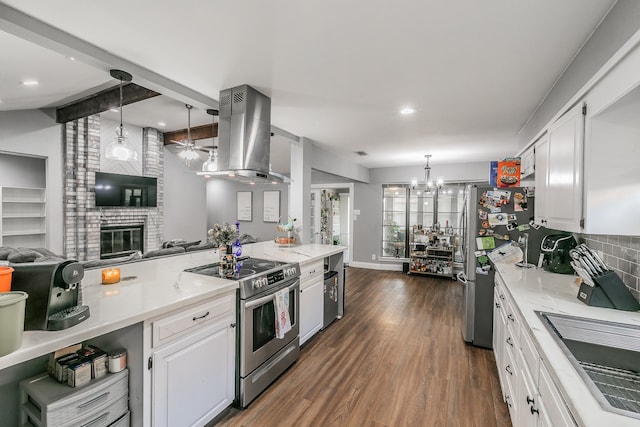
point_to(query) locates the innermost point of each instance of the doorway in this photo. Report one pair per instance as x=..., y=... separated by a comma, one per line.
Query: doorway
x=332, y=215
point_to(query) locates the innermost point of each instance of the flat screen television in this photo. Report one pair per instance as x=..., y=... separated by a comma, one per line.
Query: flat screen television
x=126, y=190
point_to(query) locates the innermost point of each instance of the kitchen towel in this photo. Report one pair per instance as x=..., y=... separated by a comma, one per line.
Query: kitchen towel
x=281, y=304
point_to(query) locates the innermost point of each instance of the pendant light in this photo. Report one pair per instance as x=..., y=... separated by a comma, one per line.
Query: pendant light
x=120, y=148
x=211, y=164
x=189, y=152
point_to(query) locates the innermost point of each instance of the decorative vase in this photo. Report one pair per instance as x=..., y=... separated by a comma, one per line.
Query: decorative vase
x=237, y=246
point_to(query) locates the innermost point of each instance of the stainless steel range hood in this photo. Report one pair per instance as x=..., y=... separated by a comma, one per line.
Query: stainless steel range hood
x=244, y=137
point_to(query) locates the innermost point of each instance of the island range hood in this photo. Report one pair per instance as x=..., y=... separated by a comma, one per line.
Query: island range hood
x=244, y=137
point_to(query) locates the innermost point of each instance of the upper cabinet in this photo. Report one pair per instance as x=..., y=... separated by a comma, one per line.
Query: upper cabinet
x=612, y=151
x=587, y=171
x=564, y=171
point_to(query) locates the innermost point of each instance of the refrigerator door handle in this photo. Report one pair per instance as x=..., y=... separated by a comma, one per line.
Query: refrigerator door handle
x=462, y=278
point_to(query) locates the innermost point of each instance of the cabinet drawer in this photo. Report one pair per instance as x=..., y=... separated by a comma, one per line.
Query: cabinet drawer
x=173, y=326
x=311, y=269
x=510, y=372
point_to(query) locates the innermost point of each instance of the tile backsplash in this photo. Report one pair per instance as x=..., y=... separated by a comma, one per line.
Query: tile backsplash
x=621, y=254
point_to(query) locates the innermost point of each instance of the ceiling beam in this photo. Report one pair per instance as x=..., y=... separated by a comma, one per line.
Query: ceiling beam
x=103, y=101
x=197, y=133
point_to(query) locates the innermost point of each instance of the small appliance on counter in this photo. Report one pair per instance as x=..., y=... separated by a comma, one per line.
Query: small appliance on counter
x=54, y=294
x=555, y=248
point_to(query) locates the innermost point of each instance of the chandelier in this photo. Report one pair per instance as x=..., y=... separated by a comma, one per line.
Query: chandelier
x=428, y=185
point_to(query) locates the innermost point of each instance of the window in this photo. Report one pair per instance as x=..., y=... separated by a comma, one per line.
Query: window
x=394, y=220
x=404, y=207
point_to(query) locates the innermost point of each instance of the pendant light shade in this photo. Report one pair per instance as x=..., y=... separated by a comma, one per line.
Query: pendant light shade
x=211, y=164
x=120, y=148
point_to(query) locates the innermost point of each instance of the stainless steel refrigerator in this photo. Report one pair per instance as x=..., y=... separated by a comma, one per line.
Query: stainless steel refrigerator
x=484, y=216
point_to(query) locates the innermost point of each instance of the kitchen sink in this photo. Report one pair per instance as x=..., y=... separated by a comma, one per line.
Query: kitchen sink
x=605, y=354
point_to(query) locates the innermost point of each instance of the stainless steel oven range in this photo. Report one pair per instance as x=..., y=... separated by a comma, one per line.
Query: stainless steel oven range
x=262, y=357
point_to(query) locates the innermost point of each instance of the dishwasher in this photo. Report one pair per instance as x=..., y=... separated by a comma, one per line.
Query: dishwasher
x=330, y=297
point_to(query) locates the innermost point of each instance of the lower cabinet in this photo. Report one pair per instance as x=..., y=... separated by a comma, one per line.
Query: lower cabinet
x=311, y=308
x=191, y=369
x=527, y=388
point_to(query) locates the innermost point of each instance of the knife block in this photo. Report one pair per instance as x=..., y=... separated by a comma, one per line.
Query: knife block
x=608, y=292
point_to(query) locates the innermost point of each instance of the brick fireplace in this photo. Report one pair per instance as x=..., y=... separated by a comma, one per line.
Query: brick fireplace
x=83, y=221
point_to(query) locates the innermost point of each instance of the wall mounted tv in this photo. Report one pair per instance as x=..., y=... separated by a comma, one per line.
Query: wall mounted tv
x=125, y=190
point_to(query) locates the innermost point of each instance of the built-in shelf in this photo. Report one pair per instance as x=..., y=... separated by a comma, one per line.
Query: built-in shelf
x=23, y=215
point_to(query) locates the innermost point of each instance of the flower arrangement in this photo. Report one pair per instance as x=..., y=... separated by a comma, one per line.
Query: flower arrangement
x=223, y=234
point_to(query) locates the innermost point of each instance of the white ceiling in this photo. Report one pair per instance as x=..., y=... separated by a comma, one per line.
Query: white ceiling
x=337, y=72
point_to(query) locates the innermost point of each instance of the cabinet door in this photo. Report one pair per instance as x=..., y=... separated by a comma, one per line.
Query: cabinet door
x=542, y=171
x=553, y=411
x=193, y=377
x=527, y=396
x=311, y=309
x=564, y=179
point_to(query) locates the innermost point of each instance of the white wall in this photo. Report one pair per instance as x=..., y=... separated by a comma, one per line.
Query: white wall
x=185, y=201
x=326, y=161
x=221, y=206
x=22, y=171
x=35, y=133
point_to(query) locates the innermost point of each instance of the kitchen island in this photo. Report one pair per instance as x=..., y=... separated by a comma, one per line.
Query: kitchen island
x=530, y=290
x=148, y=289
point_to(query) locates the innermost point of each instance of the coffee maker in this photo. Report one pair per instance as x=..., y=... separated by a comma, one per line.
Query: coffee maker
x=54, y=301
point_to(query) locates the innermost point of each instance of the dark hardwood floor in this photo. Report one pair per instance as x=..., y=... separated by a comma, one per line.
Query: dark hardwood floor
x=396, y=358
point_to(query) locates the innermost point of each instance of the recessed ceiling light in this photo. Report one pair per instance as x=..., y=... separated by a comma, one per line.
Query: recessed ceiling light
x=71, y=58
x=162, y=124
x=407, y=110
x=29, y=82
x=115, y=110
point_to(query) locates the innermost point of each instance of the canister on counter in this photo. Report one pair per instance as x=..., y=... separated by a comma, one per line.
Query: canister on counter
x=62, y=364
x=117, y=360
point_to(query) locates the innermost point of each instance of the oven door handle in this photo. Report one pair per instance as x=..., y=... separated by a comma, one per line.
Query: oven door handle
x=260, y=301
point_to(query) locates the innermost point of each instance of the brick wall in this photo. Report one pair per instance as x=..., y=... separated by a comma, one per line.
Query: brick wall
x=82, y=219
x=621, y=254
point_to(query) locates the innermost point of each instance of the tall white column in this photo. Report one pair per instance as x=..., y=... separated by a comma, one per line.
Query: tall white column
x=300, y=188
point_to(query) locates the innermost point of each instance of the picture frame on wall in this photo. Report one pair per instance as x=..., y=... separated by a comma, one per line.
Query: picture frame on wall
x=244, y=205
x=271, y=206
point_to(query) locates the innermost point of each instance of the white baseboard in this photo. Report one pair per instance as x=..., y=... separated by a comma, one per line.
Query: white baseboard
x=387, y=266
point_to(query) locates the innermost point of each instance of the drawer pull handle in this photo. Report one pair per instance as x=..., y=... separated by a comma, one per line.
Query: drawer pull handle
x=508, y=369
x=498, y=305
x=94, y=400
x=511, y=344
x=530, y=401
x=534, y=410
x=510, y=317
x=502, y=297
x=200, y=317
x=97, y=420
x=233, y=325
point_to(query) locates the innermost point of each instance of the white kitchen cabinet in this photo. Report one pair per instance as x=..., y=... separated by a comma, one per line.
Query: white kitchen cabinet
x=541, y=149
x=23, y=217
x=612, y=151
x=564, y=171
x=192, y=364
x=527, y=388
x=311, y=299
x=527, y=163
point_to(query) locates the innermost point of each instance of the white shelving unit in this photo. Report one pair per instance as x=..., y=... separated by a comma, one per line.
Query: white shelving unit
x=23, y=215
